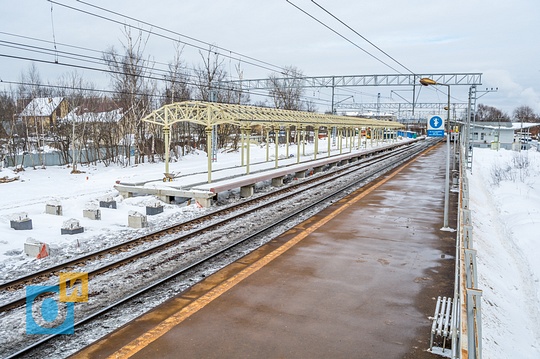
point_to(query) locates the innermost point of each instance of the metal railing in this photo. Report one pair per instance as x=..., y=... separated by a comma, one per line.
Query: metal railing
x=467, y=336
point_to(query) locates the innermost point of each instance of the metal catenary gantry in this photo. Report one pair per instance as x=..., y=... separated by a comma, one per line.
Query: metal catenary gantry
x=452, y=79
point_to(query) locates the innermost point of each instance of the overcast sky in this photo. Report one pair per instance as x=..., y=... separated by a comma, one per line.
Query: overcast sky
x=498, y=38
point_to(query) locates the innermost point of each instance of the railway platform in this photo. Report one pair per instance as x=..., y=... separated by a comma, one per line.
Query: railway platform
x=190, y=186
x=358, y=280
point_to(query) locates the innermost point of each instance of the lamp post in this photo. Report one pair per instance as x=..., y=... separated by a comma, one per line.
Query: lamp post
x=428, y=82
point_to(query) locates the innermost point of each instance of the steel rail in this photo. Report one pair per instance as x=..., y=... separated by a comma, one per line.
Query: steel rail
x=155, y=235
x=315, y=182
x=406, y=154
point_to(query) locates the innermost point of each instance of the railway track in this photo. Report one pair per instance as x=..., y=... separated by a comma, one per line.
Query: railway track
x=127, y=246
x=214, y=226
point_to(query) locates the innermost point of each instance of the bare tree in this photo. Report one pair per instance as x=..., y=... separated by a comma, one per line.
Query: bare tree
x=177, y=89
x=130, y=74
x=287, y=89
x=7, y=130
x=177, y=79
x=490, y=114
x=210, y=76
x=526, y=114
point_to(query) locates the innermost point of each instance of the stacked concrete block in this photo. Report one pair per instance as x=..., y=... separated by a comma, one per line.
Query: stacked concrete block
x=36, y=249
x=92, y=212
x=20, y=221
x=154, y=208
x=71, y=226
x=108, y=202
x=53, y=208
x=137, y=220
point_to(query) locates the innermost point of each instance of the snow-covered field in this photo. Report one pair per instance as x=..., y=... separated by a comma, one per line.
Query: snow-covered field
x=505, y=204
x=505, y=200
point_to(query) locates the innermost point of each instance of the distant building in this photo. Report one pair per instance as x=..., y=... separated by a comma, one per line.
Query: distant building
x=507, y=133
x=45, y=111
x=484, y=133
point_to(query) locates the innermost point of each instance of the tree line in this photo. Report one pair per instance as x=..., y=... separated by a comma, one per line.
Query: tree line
x=486, y=113
x=136, y=90
x=103, y=135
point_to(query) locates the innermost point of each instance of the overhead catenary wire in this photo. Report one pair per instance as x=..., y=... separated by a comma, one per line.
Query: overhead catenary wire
x=223, y=52
x=81, y=57
x=344, y=37
x=154, y=70
x=363, y=37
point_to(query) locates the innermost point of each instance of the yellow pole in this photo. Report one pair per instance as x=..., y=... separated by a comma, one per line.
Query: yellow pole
x=209, y=150
x=167, y=135
x=316, y=139
x=298, y=130
x=276, y=139
x=248, y=133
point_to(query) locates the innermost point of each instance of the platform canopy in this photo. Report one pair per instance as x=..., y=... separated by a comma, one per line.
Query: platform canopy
x=209, y=114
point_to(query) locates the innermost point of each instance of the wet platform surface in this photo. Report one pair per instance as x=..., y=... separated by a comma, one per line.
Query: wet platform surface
x=359, y=280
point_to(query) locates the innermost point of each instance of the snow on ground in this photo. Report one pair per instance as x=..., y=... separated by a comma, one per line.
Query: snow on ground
x=505, y=200
x=505, y=204
x=38, y=187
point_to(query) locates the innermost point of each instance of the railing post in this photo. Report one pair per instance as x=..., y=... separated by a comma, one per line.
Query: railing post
x=474, y=323
x=470, y=267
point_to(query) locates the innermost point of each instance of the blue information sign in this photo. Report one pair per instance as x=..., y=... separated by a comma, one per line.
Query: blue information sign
x=435, y=127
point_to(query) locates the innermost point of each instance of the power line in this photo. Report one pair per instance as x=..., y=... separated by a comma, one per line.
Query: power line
x=188, y=79
x=254, y=61
x=343, y=37
x=78, y=56
x=357, y=33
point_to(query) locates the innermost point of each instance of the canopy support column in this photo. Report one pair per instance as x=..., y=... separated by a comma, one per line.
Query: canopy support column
x=298, y=130
x=276, y=140
x=248, y=133
x=316, y=142
x=328, y=139
x=267, y=144
x=304, y=142
x=351, y=139
x=209, y=136
x=242, y=146
x=167, y=138
x=340, y=140
x=287, y=138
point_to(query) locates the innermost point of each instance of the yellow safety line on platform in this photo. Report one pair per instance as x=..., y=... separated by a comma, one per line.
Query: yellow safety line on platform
x=161, y=329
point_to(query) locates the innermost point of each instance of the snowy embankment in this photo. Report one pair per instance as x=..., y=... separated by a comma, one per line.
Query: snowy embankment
x=505, y=203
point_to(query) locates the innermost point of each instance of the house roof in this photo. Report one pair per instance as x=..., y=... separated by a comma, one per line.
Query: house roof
x=107, y=116
x=505, y=125
x=41, y=107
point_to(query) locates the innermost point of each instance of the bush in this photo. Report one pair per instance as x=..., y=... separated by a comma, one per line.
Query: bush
x=517, y=168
